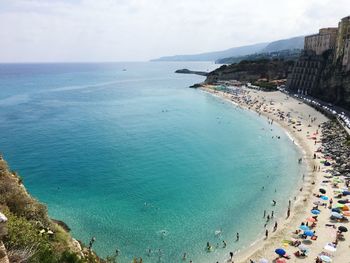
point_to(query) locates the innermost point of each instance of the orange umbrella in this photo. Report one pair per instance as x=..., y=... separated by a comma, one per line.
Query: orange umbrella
x=345, y=208
x=311, y=219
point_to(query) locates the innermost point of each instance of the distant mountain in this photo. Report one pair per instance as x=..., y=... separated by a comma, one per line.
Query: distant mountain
x=287, y=54
x=212, y=56
x=284, y=44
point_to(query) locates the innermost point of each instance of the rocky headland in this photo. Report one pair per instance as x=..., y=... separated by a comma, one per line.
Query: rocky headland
x=187, y=71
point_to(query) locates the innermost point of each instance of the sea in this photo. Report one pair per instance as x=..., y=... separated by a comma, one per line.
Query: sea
x=129, y=154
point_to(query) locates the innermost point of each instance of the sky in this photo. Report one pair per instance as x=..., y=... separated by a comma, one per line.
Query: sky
x=139, y=30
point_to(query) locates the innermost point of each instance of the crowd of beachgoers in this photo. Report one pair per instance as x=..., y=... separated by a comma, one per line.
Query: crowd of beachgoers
x=316, y=222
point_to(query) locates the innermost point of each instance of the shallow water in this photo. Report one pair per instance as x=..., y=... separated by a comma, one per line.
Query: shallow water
x=139, y=160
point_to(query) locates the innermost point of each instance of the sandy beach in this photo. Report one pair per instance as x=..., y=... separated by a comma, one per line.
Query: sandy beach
x=302, y=123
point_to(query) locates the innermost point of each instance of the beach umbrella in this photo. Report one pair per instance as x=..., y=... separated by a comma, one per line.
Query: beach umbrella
x=336, y=210
x=346, y=213
x=322, y=191
x=323, y=197
x=337, y=180
x=342, y=229
x=343, y=201
x=304, y=228
x=280, y=260
x=339, y=205
x=345, y=208
x=303, y=248
x=308, y=233
x=330, y=247
x=336, y=215
x=280, y=251
x=263, y=260
x=325, y=258
x=315, y=212
x=346, y=192
x=311, y=219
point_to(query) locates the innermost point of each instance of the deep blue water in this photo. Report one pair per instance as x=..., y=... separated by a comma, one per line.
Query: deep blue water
x=139, y=160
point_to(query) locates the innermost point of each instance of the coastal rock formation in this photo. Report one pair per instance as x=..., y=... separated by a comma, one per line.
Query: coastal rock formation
x=3, y=254
x=187, y=71
x=337, y=146
x=251, y=71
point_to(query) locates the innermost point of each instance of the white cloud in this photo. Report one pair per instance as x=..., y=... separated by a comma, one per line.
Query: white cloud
x=115, y=30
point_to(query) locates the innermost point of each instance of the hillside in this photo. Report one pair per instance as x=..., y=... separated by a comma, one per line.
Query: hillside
x=212, y=56
x=290, y=43
x=284, y=44
x=251, y=71
x=289, y=54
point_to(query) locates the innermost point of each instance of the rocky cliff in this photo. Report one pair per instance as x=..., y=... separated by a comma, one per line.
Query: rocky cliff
x=334, y=84
x=251, y=71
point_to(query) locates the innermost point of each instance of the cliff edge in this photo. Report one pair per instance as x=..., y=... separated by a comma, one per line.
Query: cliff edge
x=27, y=234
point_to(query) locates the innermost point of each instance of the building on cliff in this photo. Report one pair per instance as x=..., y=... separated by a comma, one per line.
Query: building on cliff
x=323, y=68
x=324, y=40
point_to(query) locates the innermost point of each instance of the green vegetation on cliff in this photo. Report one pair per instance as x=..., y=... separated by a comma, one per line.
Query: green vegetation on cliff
x=252, y=71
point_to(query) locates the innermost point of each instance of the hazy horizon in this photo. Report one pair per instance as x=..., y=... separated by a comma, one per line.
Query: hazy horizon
x=43, y=31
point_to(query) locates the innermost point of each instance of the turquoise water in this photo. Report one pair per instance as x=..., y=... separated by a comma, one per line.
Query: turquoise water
x=139, y=160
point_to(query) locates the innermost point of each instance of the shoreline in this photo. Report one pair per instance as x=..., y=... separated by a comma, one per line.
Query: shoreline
x=261, y=248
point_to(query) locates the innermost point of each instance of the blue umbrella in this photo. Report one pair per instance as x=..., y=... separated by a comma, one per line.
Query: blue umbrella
x=346, y=193
x=315, y=212
x=336, y=210
x=308, y=233
x=323, y=197
x=304, y=228
x=280, y=252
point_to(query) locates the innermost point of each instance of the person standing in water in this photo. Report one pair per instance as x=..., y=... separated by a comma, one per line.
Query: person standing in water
x=231, y=256
x=266, y=234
